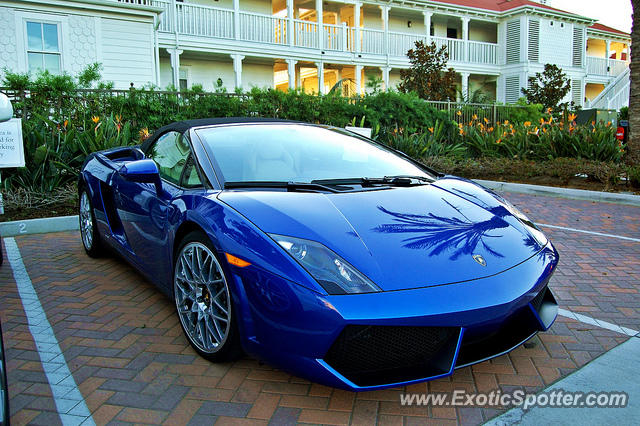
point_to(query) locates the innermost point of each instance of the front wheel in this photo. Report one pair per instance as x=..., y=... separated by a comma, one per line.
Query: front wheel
x=88, y=229
x=203, y=300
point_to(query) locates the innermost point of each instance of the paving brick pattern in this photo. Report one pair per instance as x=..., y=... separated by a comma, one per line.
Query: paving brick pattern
x=125, y=348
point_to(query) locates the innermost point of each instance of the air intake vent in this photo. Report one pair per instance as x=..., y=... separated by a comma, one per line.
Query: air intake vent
x=578, y=46
x=377, y=355
x=513, y=42
x=576, y=92
x=534, y=41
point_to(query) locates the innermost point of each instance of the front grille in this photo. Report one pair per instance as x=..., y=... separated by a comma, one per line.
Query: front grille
x=376, y=355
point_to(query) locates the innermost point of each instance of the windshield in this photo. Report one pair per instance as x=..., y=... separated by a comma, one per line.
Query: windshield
x=298, y=153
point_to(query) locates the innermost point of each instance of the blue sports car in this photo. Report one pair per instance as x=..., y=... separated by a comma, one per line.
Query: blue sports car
x=320, y=251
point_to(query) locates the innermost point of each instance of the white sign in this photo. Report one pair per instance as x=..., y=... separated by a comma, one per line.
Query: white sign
x=11, y=144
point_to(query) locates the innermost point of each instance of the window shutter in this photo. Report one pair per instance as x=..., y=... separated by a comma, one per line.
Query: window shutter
x=578, y=49
x=513, y=42
x=576, y=92
x=512, y=89
x=534, y=41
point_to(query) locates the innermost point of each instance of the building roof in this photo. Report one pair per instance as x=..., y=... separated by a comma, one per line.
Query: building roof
x=501, y=5
x=604, y=28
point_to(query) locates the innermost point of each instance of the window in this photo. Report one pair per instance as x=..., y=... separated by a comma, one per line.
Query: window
x=43, y=47
x=191, y=178
x=170, y=152
x=452, y=33
x=183, y=80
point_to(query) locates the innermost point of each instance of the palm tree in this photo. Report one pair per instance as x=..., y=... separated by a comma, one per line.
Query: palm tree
x=633, y=156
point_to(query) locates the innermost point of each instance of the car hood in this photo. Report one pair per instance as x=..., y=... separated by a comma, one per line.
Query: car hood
x=403, y=237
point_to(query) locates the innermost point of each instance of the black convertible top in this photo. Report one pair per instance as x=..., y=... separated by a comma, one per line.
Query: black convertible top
x=183, y=126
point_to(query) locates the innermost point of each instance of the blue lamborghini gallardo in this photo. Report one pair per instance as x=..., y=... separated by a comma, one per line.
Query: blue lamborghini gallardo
x=320, y=251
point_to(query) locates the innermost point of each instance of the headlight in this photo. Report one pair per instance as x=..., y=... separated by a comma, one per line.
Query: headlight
x=537, y=234
x=333, y=273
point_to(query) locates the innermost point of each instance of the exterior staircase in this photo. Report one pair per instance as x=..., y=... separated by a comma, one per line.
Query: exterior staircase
x=615, y=95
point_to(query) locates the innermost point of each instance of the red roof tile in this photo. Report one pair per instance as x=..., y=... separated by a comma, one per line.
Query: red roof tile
x=500, y=5
x=604, y=28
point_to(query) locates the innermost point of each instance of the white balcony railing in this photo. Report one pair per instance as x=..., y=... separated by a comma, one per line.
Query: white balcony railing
x=605, y=67
x=213, y=22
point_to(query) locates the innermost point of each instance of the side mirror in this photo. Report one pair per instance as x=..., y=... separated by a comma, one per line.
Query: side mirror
x=6, y=109
x=144, y=171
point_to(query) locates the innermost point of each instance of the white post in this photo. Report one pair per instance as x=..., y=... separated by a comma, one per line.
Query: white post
x=237, y=69
x=236, y=19
x=319, y=18
x=345, y=46
x=465, y=37
x=356, y=24
x=384, y=10
x=465, y=86
x=290, y=23
x=385, y=77
x=607, y=53
x=175, y=66
x=291, y=70
x=427, y=25
x=320, y=67
x=358, y=76
x=299, y=77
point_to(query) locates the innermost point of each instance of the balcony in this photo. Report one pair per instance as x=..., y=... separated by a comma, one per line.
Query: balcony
x=605, y=67
x=195, y=20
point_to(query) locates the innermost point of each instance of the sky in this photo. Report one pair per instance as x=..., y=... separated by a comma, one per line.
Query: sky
x=613, y=13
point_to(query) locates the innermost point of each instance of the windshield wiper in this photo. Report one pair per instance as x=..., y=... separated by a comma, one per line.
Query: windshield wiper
x=399, y=180
x=289, y=186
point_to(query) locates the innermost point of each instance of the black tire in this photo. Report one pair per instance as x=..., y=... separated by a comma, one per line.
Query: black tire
x=88, y=227
x=200, y=303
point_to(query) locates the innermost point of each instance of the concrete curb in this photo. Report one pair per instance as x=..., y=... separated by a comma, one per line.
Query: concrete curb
x=552, y=191
x=70, y=223
x=39, y=226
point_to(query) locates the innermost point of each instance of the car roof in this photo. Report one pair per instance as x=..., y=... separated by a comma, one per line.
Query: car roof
x=183, y=126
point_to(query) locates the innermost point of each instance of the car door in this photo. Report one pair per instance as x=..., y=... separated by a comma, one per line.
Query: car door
x=145, y=209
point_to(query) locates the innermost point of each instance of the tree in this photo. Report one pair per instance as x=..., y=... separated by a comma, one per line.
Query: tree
x=428, y=75
x=548, y=88
x=633, y=143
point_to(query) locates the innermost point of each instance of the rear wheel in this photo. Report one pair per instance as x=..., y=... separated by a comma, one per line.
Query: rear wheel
x=203, y=300
x=88, y=229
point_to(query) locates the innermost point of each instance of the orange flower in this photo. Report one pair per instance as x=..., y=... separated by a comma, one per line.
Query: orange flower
x=542, y=121
x=64, y=124
x=474, y=116
x=506, y=122
x=490, y=129
x=499, y=141
x=527, y=123
x=572, y=117
x=535, y=131
x=593, y=123
x=431, y=129
x=548, y=110
x=459, y=113
x=95, y=119
x=486, y=120
x=461, y=132
x=460, y=125
x=144, y=133
x=609, y=124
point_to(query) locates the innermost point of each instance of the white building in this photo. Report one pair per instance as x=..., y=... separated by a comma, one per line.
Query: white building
x=494, y=45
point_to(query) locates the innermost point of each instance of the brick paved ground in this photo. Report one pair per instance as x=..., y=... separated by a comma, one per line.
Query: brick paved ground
x=126, y=351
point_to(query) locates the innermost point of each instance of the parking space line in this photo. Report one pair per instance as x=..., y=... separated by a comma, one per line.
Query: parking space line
x=600, y=234
x=598, y=323
x=70, y=404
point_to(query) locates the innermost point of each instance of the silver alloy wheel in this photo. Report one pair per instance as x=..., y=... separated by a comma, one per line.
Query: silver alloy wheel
x=202, y=297
x=86, y=222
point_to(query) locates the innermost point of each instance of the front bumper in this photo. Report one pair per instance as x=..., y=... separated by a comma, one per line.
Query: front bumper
x=379, y=340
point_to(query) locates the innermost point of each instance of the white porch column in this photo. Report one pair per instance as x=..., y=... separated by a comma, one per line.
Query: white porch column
x=291, y=70
x=384, y=12
x=356, y=24
x=299, y=77
x=607, y=53
x=320, y=67
x=385, y=77
x=236, y=19
x=319, y=18
x=465, y=36
x=465, y=86
x=290, y=23
x=358, y=75
x=427, y=24
x=175, y=66
x=237, y=69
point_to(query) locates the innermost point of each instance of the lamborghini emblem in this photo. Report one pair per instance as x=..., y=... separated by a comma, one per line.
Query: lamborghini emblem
x=479, y=259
